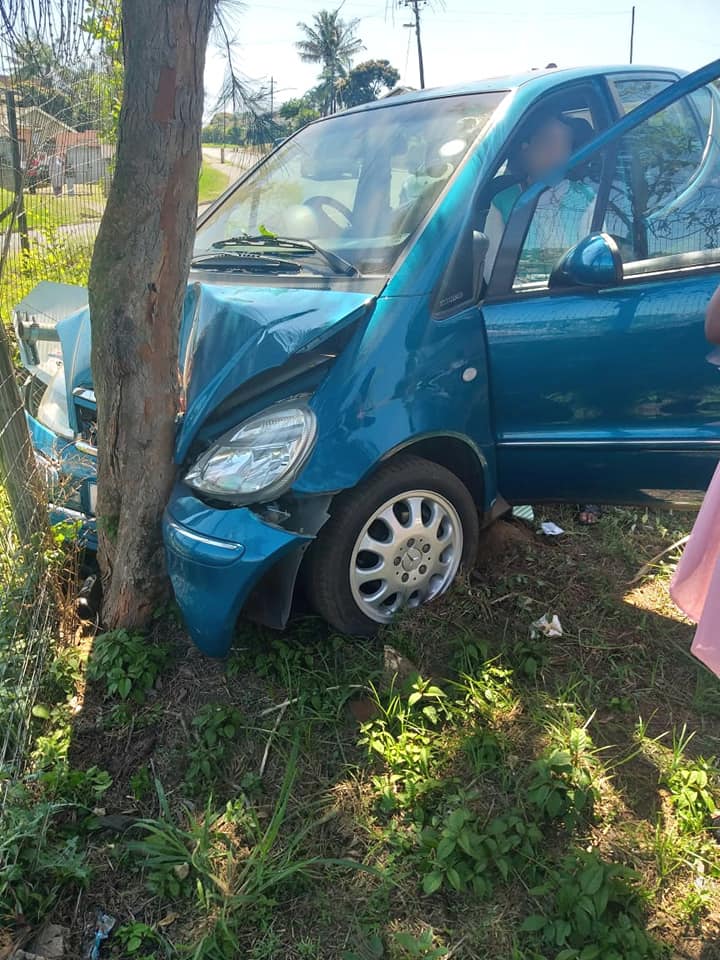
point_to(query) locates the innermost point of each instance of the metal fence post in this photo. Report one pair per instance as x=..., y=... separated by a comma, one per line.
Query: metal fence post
x=18, y=469
x=20, y=215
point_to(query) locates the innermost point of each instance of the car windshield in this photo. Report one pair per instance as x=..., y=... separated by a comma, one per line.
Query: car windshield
x=356, y=185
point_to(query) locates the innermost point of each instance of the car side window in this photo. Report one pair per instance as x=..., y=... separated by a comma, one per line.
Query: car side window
x=563, y=216
x=664, y=200
x=564, y=212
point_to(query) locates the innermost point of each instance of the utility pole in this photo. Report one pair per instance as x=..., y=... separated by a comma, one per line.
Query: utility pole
x=415, y=6
x=632, y=33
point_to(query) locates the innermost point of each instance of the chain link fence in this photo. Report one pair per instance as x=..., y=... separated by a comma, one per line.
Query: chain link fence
x=58, y=108
x=60, y=91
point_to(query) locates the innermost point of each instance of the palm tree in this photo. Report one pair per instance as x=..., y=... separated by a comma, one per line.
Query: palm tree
x=330, y=41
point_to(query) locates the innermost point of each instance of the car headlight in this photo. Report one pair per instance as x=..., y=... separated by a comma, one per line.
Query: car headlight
x=255, y=461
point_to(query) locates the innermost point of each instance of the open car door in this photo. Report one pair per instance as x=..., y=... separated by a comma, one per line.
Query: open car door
x=604, y=388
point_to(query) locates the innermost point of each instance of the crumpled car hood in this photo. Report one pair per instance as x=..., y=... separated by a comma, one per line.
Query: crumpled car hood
x=228, y=335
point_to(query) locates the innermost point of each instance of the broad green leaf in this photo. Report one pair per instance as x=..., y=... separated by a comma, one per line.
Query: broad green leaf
x=445, y=848
x=533, y=924
x=457, y=820
x=432, y=882
x=591, y=879
x=454, y=879
x=465, y=842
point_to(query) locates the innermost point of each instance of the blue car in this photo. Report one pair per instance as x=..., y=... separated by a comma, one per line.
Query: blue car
x=410, y=315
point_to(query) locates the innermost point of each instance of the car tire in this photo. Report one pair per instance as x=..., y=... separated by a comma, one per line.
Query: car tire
x=413, y=522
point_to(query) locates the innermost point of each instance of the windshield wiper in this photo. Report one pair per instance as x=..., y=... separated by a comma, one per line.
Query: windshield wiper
x=251, y=262
x=335, y=262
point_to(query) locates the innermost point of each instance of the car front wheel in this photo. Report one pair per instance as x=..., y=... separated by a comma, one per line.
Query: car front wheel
x=395, y=542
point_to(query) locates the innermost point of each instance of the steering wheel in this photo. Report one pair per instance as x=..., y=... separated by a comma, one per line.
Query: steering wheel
x=317, y=204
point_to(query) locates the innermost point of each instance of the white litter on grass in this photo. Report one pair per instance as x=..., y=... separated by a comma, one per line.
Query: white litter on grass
x=546, y=627
x=551, y=529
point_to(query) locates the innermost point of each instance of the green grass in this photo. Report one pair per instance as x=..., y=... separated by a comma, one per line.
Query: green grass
x=511, y=798
x=212, y=183
x=57, y=256
x=47, y=212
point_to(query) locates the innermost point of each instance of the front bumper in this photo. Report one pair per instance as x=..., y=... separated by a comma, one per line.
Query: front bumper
x=69, y=473
x=215, y=558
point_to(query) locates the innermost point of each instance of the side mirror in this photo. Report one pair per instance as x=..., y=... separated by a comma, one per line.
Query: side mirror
x=594, y=262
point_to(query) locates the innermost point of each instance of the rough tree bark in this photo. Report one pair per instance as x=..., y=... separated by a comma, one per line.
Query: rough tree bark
x=137, y=284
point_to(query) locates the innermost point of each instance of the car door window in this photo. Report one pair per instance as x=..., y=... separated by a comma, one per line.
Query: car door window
x=660, y=199
x=663, y=207
x=564, y=213
x=633, y=91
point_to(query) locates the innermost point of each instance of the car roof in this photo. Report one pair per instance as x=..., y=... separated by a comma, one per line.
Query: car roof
x=541, y=81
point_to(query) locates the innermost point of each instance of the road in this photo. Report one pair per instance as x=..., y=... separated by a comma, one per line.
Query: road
x=241, y=158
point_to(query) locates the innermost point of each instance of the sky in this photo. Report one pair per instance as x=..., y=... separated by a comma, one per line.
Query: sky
x=469, y=39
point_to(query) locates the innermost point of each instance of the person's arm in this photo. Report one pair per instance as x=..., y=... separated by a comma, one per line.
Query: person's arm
x=712, y=318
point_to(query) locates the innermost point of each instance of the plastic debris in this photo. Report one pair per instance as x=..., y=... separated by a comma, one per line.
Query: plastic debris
x=396, y=666
x=103, y=926
x=551, y=529
x=524, y=513
x=546, y=627
x=49, y=944
x=88, y=599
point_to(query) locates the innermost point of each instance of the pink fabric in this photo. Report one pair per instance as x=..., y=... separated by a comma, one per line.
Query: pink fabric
x=696, y=585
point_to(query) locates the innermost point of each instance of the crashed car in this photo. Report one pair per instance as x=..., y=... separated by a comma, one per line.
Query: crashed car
x=367, y=376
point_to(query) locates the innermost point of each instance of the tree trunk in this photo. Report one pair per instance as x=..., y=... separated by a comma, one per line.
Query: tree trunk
x=137, y=285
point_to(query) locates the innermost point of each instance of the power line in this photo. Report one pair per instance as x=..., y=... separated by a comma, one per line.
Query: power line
x=407, y=55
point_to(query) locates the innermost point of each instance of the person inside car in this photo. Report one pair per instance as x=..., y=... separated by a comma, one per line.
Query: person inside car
x=564, y=212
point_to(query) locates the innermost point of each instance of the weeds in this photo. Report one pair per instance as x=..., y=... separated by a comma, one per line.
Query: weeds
x=471, y=814
x=141, y=942
x=463, y=854
x=690, y=786
x=405, y=737
x=593, y=911
x=41, y=852
x=127, y=663
x=214, y=728
x=560, y=789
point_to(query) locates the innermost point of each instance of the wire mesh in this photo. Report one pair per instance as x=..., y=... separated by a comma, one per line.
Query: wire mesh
x=59, y=92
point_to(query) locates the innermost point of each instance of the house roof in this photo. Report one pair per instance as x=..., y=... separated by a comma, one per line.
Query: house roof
x=35, y=125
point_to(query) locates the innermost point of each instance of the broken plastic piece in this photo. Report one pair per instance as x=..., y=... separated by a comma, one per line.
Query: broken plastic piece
x=546, y=627
x=103, y=926
x=551, y=529
x=523, y=513
x=87, y=604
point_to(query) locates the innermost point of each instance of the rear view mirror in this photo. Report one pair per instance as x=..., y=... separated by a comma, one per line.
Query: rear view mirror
x=594, y=262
